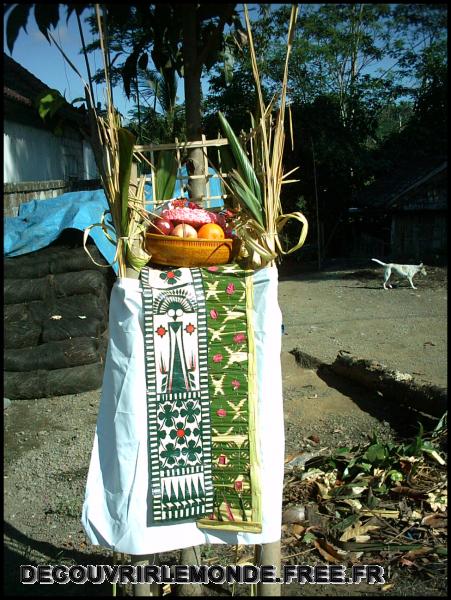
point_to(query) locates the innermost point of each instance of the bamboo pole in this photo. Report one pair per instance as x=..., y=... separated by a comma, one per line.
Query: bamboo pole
x=190, y=556
x=268, y=554
x=182, y=145
x=145, y=589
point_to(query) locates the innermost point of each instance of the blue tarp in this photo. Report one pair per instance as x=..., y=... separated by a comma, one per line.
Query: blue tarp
x=40, y=222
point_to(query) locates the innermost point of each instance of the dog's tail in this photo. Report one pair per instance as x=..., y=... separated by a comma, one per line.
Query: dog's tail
x=380, y=262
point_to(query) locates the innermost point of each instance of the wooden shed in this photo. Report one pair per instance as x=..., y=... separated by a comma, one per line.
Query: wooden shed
x=403, y=216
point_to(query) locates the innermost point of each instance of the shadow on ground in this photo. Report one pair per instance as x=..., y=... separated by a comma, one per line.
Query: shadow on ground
x=20, y=549
x=402, y=418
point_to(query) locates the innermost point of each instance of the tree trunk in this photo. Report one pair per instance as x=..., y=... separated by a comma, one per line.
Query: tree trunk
x=193, y=94
x=190, y=556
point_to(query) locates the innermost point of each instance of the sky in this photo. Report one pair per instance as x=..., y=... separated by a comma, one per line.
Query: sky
x=45, y=61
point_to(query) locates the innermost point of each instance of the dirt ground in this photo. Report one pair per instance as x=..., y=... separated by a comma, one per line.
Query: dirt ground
x=347, y=309
x=48, y=442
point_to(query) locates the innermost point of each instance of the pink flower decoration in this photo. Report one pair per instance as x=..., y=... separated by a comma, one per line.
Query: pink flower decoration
x=235, y=384
x=230, y=288
x=217, y=358
x=212, y=269
x=221, y=412
x=239, y=338
x=213, y=313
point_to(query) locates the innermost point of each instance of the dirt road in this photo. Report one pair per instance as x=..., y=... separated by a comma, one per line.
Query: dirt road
x=347, y=309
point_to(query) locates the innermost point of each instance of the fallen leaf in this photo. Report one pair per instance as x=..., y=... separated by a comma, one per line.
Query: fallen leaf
x=387, y=586
x=438, y=501
x=352, y=502
x=406, y=563
x=297, y=530
x=418, y=552
x=407, y=491
x=355, y=530
x=56, y=317
x=357, y=490
x=361, y=539
x=330, y=553
x=436, y=521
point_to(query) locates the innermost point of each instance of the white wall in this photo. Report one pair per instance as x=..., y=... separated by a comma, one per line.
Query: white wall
x=32, y=154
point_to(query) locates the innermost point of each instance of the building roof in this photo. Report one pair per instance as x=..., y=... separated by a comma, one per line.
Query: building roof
x=385, y=193
x=20, y=91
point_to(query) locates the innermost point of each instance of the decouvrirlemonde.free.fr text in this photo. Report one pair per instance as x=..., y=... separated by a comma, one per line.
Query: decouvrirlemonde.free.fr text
x=160, y=574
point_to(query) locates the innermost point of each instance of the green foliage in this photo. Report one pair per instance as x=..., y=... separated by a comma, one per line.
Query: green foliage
x=166, y=174
x=126, y=142
x=379, y=462
x=243, y=179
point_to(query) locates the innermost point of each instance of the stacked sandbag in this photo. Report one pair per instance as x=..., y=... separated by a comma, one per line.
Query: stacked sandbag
x=55, y=322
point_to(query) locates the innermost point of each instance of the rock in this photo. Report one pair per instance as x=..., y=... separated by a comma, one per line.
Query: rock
x=6, y=403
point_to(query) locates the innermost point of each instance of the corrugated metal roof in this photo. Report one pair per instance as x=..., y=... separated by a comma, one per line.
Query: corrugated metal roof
x=386, y=191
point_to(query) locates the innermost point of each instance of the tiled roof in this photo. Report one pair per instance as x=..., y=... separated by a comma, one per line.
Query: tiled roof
x=22, y=87
x=19, y=83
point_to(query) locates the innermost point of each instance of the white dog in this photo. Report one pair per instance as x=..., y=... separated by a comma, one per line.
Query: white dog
x=407, y=271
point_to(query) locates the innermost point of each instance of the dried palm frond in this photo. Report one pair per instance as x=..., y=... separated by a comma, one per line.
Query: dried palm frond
x=256, y=182
x=113, y=147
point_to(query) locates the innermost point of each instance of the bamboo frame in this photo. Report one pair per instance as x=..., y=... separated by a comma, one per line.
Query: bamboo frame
x=178, y=147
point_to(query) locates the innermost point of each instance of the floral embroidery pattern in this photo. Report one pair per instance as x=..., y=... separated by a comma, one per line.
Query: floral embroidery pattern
x=171, y=277
x=236, y=384
x=161, y=331
x=190, y=328
x=190, y=412
x=228, y=373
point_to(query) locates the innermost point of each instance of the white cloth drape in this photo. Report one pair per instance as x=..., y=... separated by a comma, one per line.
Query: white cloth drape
x=115, y=507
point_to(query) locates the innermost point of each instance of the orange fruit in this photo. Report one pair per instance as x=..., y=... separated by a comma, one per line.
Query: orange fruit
x=211, y=231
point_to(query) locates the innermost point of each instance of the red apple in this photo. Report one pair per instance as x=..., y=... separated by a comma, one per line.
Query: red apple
x=184, y=230
x=161, y=225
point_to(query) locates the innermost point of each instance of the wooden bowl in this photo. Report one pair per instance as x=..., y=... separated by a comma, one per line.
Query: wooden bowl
x=173, y=251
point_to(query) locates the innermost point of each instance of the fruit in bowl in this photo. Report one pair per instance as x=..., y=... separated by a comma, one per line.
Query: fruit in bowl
x=183, y=230
x=161, y=226
x=211, y=231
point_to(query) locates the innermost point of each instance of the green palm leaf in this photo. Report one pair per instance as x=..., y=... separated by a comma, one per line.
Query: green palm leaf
x=245, y=171
x=242, y=190
x=166, y=174
x=126, y=142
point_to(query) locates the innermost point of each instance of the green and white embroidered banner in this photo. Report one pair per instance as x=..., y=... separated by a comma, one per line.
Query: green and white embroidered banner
x=178, y=404
x=201, y=397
